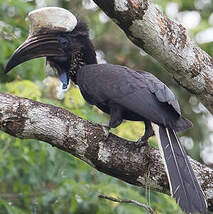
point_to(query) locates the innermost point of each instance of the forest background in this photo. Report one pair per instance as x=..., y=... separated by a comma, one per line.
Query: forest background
x=37, y=178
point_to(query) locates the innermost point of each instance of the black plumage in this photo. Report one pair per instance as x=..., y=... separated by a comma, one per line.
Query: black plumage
x=138, y=96
x=128, y=95
x=125, y=95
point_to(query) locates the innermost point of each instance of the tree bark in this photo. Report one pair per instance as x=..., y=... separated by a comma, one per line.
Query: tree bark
x=167, y=41
x=115, y=156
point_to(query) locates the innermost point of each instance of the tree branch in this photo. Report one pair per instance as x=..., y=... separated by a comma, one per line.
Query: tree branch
x=167, y=41
x=116, y=157
x=124, y=201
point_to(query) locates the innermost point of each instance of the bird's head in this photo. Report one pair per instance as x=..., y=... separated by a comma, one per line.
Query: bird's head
x=56, y=34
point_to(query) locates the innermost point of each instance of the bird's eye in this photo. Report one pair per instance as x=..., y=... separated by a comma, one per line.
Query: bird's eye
x=64, y=42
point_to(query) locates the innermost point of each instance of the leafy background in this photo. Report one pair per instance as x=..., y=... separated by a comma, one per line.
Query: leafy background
x=37, y=178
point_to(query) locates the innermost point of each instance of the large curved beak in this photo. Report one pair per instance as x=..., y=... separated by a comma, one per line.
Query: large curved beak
x=35, y=46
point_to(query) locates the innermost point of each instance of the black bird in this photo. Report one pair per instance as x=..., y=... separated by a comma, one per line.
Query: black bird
x=124, y=94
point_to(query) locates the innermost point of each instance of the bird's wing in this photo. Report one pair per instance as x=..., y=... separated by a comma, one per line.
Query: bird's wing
x=140, y=93
x=162, y=92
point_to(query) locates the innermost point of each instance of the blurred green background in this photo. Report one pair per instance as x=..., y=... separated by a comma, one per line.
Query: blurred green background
x=36, y=178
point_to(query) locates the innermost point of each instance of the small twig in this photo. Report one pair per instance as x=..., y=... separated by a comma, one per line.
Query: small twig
x=148, y=208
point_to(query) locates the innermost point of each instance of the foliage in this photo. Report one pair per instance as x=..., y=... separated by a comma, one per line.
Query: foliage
x=37, y=178
x=24, y=88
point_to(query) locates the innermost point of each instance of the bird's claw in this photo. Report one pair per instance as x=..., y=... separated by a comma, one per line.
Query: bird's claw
x=106, y=132
x=141, y=142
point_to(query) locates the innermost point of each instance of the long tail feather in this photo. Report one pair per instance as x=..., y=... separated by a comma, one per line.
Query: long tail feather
x=184, y=186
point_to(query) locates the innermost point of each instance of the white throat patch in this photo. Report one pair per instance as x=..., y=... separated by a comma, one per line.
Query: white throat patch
x=51, y=19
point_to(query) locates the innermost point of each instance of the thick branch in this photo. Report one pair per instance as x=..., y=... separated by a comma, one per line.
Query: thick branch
x=117, y=157
x=166, y=41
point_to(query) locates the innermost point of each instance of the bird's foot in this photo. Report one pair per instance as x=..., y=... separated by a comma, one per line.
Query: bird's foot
x=106, y=131
x=141, y=142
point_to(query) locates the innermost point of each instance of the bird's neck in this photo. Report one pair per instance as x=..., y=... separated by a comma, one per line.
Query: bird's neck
x=81, y=58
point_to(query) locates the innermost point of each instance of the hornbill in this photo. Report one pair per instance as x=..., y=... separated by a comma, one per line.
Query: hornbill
x=119, y=91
